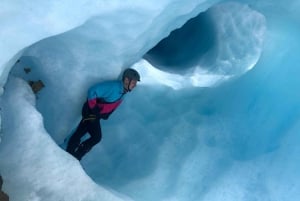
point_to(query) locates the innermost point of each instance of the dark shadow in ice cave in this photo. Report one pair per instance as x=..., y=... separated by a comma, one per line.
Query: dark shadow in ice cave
x=184, y=47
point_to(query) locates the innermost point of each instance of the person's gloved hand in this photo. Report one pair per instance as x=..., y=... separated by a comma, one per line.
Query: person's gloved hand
x=92, y=114
x=95, y=111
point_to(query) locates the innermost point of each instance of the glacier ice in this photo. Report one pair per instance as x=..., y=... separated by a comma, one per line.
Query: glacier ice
x=221, y=126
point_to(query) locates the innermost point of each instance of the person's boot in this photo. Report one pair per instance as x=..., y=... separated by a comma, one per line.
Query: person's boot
x=71, y=148
x=81, y=151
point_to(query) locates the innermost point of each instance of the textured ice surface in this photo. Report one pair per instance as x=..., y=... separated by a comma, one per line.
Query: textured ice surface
x=222, y=125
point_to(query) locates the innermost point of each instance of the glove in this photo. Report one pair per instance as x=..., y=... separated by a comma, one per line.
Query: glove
x=91, y=114
x=95, y=111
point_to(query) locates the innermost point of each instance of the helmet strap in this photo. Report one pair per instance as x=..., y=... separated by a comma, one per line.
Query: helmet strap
x=128, y=89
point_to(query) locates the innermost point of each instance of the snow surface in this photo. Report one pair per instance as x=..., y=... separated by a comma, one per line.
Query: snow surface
x=215, y=116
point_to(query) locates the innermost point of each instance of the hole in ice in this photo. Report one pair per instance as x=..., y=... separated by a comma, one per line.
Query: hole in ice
x=227, y=39
x=182, y=49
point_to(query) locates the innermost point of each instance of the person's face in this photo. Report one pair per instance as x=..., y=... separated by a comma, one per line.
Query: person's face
x=129, y=85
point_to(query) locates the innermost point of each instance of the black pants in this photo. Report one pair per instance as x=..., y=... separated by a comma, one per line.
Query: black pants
x=93, y=127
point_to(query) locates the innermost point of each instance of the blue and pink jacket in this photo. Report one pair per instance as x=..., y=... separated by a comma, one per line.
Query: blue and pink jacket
x=106, y=95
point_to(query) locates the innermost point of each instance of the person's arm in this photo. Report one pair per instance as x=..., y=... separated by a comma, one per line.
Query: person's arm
x=104, y=98
x=97, y=91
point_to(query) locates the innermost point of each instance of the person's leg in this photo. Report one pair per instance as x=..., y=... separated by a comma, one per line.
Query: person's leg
x=74, y=140
x=81, y=130
x=94, y=129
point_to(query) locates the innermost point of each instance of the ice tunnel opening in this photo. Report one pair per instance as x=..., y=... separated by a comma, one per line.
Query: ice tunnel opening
x=217, y=42
x=183, y=48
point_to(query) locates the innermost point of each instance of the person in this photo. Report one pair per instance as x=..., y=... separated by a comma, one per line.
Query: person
x=103, y=98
